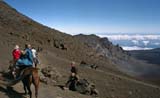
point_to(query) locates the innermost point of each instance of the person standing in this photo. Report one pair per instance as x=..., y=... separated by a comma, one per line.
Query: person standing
x=73, y=68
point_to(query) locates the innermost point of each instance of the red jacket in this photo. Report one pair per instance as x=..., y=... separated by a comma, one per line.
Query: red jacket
x=16, y=54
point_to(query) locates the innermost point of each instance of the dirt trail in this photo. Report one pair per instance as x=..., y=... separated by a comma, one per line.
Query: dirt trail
x=44, y=92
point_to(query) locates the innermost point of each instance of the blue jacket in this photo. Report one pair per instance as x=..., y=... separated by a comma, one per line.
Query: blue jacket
x=27, y=59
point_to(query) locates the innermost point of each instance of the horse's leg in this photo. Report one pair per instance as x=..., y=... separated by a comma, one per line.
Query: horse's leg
x=36, y=81
x=36, y=88
x=28, y=85
x=30, y=82
x=24, y=86
x=29, y=90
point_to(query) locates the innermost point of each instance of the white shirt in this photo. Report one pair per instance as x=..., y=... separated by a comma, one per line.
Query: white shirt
x=34, y=52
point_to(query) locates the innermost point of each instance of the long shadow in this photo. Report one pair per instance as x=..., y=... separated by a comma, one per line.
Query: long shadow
x=11, y=93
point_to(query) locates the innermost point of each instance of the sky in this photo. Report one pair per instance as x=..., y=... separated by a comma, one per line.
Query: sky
x=93, y=16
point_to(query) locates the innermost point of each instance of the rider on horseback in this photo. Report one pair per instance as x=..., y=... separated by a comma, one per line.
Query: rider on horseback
x=16, y=53
x=25, y=72
x=35, y=58
x=26, y=59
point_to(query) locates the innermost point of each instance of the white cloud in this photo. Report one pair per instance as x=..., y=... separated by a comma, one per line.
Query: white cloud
x=156, y=43
x=136, y=42
x=145, y=42
x=135, y=48
x=131, y=37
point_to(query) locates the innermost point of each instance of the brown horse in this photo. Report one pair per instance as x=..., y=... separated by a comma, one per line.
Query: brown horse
x=28, y=76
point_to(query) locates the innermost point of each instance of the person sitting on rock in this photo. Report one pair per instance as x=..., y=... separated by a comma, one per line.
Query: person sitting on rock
x=71, y=83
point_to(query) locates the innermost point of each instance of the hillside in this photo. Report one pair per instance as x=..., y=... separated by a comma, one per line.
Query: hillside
x=59, y=49
x=122, y=60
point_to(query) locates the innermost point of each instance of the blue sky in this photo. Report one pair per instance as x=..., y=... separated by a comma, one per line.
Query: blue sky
x=93, y=16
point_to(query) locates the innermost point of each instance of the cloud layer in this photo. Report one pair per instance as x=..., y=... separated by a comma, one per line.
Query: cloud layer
x=135, y=41
x=131, y=37
x=135, y=48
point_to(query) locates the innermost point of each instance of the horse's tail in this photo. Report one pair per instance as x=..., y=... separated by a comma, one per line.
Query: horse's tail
x=14, y=82
x=23, y=74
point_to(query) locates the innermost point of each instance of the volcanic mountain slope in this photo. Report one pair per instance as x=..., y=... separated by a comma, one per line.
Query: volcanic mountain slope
x=58, y=50
x=103, y=47
x=122, y=60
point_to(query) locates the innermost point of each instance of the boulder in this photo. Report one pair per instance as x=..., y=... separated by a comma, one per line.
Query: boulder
x=49, y=75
